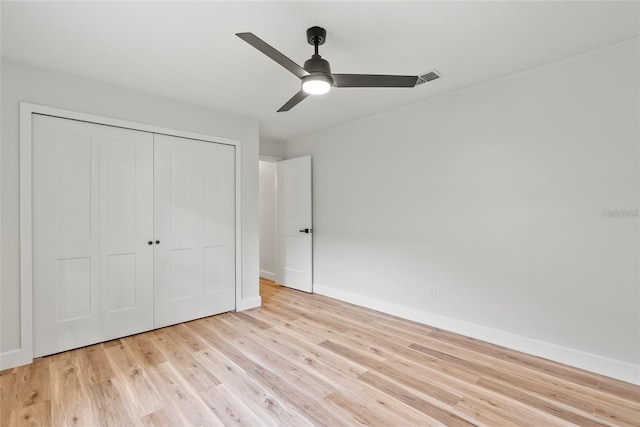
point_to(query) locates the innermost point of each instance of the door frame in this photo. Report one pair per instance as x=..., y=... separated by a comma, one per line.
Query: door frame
x=27, y=110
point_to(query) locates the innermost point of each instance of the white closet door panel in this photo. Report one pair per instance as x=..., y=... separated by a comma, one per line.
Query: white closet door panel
x=194, y=220
x=219, y=224
x=65, y=234
x=126, y=215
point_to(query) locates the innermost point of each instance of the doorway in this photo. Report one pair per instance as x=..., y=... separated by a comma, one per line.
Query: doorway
x=286, y=240
x=267, y=206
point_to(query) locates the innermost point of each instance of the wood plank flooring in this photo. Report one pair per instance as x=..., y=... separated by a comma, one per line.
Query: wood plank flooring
x=303, y=360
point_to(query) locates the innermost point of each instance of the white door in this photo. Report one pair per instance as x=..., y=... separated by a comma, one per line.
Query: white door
x=195, y=228
x=126, y=228
x=294, y=226
x=65, y=234
x=91, y=213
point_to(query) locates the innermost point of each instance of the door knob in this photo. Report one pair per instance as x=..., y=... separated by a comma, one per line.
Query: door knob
x=150, y=242
x=306, y=230
x=157, y=242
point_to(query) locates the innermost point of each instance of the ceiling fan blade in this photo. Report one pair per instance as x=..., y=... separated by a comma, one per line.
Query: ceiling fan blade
x=295, y=100
x=272, y=53
x=373, y=80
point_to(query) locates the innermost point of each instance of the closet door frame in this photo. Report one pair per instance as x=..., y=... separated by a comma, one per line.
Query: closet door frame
x=27, y=111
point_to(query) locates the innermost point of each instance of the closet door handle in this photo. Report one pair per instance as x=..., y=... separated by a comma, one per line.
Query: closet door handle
x=157, y=242
x=150, y=242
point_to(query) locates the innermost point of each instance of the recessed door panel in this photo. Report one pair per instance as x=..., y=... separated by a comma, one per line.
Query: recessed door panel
x=184, y=171
x=183, y=279
x=120, y=292
x=195, y=224
x=74, y=290
x=213, y=203
x=74, y=184
x=120, y=185
x=213, y=271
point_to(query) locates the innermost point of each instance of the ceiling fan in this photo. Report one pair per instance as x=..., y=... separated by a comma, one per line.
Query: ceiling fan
x=316, y=74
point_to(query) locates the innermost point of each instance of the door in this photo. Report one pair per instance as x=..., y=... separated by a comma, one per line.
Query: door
x=91, y=215
x=194, y=229
x=294, y=225
x=126, y=228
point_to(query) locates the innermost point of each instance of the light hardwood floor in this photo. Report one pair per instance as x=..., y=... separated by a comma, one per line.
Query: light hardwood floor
x=304, y=360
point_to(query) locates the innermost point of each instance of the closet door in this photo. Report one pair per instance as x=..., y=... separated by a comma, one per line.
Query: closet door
x=92, y=219
x=194, y=222
x=65, y=234
x=126, y=228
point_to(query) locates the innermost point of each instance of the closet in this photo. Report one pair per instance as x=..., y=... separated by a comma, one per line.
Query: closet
x=131, y=231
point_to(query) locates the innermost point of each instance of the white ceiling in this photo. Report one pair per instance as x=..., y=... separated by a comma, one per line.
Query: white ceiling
x=188, y=51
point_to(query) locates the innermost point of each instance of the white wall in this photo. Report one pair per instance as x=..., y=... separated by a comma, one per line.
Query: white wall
x=38, y=86
x=494, y=195
x=268, y=220
x=271, y=147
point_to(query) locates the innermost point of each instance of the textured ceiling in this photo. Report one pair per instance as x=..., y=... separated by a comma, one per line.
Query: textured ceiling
x=188, y=51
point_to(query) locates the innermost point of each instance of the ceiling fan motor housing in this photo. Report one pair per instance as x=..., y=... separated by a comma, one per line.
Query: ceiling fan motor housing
x=317, y=65
x=318, y=69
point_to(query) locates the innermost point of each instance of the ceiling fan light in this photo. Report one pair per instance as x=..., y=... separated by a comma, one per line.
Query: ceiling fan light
x=318, y=84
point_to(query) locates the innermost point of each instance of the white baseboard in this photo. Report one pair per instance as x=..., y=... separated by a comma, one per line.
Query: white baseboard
x=13, y=358
x=591, y=362
x=268, y=275
x=10, y=359
x=248, y=303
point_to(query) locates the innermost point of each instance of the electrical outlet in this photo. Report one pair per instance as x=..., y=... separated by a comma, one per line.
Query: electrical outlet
x=433, y=293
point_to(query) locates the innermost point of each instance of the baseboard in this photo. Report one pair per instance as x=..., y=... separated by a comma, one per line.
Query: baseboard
x=10, y=359
x=268, y=275
x=248, y=303
x=588, y=361
x=13, y=358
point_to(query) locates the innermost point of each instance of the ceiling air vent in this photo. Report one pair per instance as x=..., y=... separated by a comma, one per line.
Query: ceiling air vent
x=427, y=77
